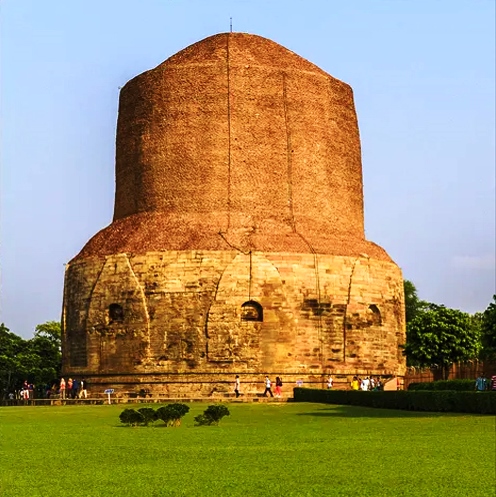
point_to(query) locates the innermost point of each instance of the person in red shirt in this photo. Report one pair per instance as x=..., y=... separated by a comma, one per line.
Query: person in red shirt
x=493, y=382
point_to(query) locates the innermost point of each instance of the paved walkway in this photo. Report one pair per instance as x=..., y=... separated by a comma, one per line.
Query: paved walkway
x=103, y=399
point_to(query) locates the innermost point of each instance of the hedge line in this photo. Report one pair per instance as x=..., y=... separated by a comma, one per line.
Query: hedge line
x=439, y=401
x=459, y=385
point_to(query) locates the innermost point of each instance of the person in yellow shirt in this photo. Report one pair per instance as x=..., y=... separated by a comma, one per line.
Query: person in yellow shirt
x=355, y=385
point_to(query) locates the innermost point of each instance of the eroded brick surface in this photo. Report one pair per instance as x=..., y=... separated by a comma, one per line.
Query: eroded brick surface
x=182, y=314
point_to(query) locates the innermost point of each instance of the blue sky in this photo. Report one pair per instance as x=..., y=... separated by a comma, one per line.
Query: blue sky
x=423, y=74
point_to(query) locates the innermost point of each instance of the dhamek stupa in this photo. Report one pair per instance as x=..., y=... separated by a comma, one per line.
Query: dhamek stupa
x=237, y=244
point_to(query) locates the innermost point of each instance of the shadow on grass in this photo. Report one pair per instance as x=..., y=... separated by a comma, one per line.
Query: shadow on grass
x=373, y=412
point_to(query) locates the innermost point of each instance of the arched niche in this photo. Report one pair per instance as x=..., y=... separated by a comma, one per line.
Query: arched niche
x=115, y=313
x=374, y=315
x=251, y=311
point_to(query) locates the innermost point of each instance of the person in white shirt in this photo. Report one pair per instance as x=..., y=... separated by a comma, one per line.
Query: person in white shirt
x=365, y=384
x=83, y=392
x=237, y=385
x=330, y=382
x=268, y=384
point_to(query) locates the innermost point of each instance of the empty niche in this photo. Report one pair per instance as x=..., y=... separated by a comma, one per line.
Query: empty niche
x=374, y=315
x=115, y=313
x=251, y=311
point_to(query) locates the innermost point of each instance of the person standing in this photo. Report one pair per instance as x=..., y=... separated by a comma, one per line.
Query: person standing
x=237, y=385
x=480, y=383
x=268, y=384
x=365, y=384
x=75, y=389
x=278, y=386
x=62, y=388
x=82, y=389
x=493, y=383
x=330, y=382
x=355, y=385
x=25, y=386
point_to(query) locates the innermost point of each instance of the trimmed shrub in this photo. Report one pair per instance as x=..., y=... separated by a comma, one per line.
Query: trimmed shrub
x=212, y=415
x=131, y=417
x=171, y=414
x=458, y=385
x=434, y=401
x=202, y=420
x=149, y=415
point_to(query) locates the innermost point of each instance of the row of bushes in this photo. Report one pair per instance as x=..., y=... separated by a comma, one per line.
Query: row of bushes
x=458, y=385
x=171, y=415
x=434, y=401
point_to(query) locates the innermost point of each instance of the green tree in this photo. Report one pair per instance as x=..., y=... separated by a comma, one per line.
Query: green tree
x=438, y=337
x=37, y=360
x=413, y=305
x=51, y=330
x=10, y=347
x=41, y=359
x=488, y=332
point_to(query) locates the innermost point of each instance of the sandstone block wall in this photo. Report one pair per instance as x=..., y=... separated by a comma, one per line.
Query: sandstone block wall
x=182, y=326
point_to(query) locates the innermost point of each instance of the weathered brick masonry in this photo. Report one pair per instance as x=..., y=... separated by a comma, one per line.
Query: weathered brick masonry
x=237, y=245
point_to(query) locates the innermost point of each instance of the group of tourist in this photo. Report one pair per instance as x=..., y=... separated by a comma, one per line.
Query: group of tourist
x=27, y=391
x=268, y=387
x=482, y=383
x=366, y=384
x=73, y=389
x=77, y=389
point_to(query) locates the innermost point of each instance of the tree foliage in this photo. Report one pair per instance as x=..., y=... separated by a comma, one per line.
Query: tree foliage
x=37, y=360
x=438, y=337
x=411, y=300
x=488, y=332
x=413, y=305
x=50, y=330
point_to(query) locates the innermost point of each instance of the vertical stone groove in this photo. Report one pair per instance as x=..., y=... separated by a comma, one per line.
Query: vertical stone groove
x=345, y=318
x=228, y=136
x=145, y=305
x=317, y=287
x=288, y=155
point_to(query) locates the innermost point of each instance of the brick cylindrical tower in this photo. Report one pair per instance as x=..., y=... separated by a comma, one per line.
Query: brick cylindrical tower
x=237, y=244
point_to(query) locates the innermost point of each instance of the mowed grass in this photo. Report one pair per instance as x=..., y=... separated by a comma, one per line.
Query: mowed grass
x=276, y=449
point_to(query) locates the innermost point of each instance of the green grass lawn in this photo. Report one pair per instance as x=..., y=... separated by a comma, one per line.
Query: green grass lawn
x=274, y=449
